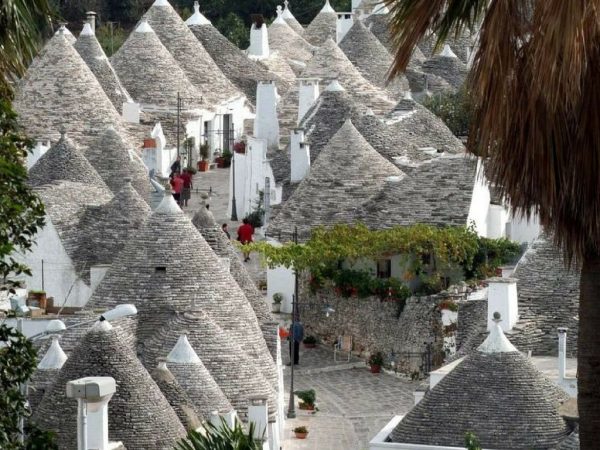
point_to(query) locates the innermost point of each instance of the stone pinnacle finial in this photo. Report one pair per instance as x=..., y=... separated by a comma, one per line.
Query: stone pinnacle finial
x=279, y=11
x=196, y=6
x=63, y=132
x=497, y=317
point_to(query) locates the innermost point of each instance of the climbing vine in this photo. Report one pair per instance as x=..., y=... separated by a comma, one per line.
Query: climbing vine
x=426, y=251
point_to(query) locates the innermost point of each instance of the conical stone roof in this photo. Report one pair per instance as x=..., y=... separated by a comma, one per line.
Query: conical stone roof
x=446, y=65
x=378, y=25
x=495, y=393
x=148, y=272
x=108, y=227
x=438, y=192
x=115, y=161
x=420, y=128
x=290, y=44
x=64, y=161
x=46, y=373
x=70, y=37
x=138, y=409
x=213, y=234
x=150, y=73
x=237, y=375
x=371, y=58
x=322, y=27
x=241, y=70
x=291, y=20
x=92, y=53
x=189, y=53
x=320, y=199
x=176, y=396
x=330, y=63
x=196, y=380
x=60, y=91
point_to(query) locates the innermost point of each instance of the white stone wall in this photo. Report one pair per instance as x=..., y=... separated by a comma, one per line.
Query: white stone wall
x=59, y=275
x=480, y=203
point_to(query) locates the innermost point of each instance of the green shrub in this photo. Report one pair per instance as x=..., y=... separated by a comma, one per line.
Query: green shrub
x=222, y=437
x=309, y=396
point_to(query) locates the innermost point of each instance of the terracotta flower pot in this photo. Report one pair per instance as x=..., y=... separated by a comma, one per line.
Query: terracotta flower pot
x=203, y=166
x=301, y=435
x=37, y=299
x=375, y=369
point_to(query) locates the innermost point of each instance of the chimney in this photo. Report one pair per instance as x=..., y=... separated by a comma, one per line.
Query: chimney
x=308, y=92
x=258, y=414
x=342, y=25
x=562, y=353
x=93, y=395
x=259, y=38
x=502, y=297
x=300, y=156
x=91, y=18
x=266, y=123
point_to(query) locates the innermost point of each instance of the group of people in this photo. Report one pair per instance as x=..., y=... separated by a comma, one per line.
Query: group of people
x=181, y=183
x=245, y=234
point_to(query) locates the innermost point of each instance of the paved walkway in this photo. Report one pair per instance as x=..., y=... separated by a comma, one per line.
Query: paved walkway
x=353, y=403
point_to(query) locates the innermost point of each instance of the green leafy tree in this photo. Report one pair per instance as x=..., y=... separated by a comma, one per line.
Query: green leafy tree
x=535, y=94
x=471, y=442
x=454, y=108
x=233, y=28
x=110, y=37
x=18, y=361
x=222, y=438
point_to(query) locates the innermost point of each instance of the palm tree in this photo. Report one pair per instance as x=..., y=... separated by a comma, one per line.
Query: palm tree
x=536, y=121
x=22, y=24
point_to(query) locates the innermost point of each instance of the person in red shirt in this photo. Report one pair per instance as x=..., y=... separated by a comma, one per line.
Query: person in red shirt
x=186, y=193
x=177, y=187
x=245, y=232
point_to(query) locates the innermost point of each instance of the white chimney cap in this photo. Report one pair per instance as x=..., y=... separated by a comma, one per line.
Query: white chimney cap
x=279, y=20
x=327, y=7
x=144, y=27
x=335, y=86
x=197, y=18
x=87, y=30
x=183, y=352
x=287, y=14
x=54, y=358
x=63, y=30
x=497, y=342
x=447, y=52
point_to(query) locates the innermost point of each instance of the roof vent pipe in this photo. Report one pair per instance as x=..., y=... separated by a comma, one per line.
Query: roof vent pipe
x=91, y=19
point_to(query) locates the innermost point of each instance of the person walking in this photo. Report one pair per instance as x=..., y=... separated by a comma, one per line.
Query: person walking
x=296, y=335
x=177, y=187
x=176, y=166
x=245, y=232
x=186, y=193
x=225, y=229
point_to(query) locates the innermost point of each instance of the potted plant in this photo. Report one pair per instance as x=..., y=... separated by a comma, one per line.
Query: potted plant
x=307, y=398
x=301, y=432
x=227, y=155
x=37, y=298
x=375, y=361
x=277, y=299
x=310, y=341
x=205, y=154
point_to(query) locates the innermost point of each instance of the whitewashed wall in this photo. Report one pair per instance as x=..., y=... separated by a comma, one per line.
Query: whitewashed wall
x=58, y=269
x=480, y=203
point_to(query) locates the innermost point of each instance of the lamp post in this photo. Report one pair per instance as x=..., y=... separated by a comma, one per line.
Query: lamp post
x=234, y=216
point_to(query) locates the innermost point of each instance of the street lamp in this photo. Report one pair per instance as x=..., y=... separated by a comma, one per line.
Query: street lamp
x=234, y=216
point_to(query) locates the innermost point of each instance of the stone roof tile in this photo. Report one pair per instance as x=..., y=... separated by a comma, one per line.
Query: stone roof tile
x=323, y=26
x=59, y=91
x=150, y=73
x=287, y=42
x=137, y=409
x=189, y=53
x=322, y=200
x=92, y=53
x=499, y=396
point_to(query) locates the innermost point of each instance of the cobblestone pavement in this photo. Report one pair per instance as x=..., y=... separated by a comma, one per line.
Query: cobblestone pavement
x=353, y=403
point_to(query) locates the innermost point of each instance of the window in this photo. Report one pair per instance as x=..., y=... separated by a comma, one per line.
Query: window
x=384, y=268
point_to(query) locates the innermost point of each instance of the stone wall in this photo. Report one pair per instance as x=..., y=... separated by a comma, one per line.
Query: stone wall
x=375, y=325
